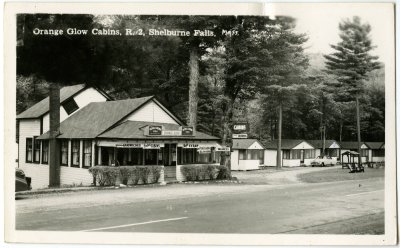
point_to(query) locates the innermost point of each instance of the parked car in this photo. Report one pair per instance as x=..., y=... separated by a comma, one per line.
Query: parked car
x=323, y=161
x=22, y=182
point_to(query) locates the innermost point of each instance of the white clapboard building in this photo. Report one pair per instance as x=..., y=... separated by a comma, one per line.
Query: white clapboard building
x=247, y=154
x=97, y=131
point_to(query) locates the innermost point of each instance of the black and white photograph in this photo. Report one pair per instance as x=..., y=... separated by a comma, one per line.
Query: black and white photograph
x=210, y=128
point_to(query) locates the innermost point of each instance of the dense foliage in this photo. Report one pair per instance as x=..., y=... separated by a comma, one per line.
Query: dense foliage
x=242, y=77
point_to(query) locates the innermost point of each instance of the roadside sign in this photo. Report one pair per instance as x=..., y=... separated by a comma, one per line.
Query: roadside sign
x=223, y=149
x=239, y=135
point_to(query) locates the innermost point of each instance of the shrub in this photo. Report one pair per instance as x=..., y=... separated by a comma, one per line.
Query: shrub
x=135, y=175
x=210, y=171
x=223, y=172
x=104, y=175
x=188, y=172
x=125, y=174
x=144, y=173
x=156, y=172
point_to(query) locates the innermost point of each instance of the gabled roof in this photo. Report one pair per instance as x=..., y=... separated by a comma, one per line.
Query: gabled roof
x=42, y=107
x=97, y=117
x=319, y=143
x=286, y=143
x=134, y=130
x=375, y=145
x=243, y=143
x=349, y=144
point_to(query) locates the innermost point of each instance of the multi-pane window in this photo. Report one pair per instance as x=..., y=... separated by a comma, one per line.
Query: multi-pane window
x=309, y=153
x=36, y=150
x=286, y=154
x=364, y=153
x=378, y=153
x=242, y=154
x=29, y=150
x=295, y=154
x=87, y=153
x=75, y=145
x=45, y=151
x=64, y=152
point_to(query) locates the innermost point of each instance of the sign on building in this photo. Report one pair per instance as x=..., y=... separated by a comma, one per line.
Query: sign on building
x=187, y=131
x=153, y=146
x=239, y=135
x=223, y=149
x=190, y=145
x=131, y=145
x=155, y=130
x=172, y=132
x=204, y=150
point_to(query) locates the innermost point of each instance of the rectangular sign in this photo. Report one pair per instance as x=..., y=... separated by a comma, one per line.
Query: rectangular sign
x=155, y=130
x=153, y=146
x=240, y=127
x=190, y=145
x=223, y=149
x=187, y=131
x=172, y=132
x=239, y=135
x=204, y=150
x=130, y=145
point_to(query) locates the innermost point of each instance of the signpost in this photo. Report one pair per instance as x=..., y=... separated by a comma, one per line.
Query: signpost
x=240, y=130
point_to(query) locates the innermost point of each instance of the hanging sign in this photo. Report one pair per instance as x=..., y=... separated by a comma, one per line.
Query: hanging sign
x=187, y=131
x=133, y=145
x=171, y=133
x=204, y=150
x=153, y=146
x=155, y=130
x=223, y=149
x=239, y=135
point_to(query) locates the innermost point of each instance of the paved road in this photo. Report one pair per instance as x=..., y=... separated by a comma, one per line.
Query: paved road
x=293, y=208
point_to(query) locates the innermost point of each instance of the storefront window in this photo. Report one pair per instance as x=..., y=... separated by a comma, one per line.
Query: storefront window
x=150, y=156
x=64, y=152
x=75, y=144
x=45, y=151
x=87, y=153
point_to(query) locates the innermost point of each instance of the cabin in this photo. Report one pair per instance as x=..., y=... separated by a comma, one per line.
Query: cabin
x=332, y=148
x=346, y=146
x=376, y=151
x=246, y=154
x=127, y=132
x=294, y=152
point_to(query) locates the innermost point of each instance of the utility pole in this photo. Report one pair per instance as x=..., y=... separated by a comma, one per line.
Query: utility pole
x=279, y=155
x=358, y=130
x=54, y=154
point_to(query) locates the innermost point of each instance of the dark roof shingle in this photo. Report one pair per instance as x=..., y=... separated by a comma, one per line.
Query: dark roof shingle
x=319, y=143
x=375, y=145
x=132, y=130
x=95, y=118
x=42, y=107
x=349, y=144
x=286, y=143
x=243, y=143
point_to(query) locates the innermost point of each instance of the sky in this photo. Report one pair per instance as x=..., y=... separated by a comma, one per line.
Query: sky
x=321, y=22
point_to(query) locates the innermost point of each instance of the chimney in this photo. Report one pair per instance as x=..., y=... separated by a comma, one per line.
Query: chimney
x=54, y=159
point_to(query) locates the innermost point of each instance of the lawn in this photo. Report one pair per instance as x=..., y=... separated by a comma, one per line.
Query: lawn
x=339, y=174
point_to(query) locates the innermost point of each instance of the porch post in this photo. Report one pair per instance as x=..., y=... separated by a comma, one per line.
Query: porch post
x=99, y=156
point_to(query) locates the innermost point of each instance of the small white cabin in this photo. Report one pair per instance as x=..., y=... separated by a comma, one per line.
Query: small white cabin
x=247, y=154
x=294, y=152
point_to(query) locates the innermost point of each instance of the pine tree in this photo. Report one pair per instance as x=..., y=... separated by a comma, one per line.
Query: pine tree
x=351, y=62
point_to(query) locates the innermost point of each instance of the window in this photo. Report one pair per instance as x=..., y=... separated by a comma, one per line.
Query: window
x=75, y=145
x=29, y=152
x=242, y=154
x=295, y=154
x=261, y=156
x=64, y=152
x=378, y=153
x=364, y=153
x=286, y=154
x=70, y=106
x=333, y=152
x=309, y=153
x=36, y=150
x=45, y=151
x=87, y=153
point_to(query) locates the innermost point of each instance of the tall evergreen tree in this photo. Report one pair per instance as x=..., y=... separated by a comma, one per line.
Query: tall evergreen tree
x=351, y=62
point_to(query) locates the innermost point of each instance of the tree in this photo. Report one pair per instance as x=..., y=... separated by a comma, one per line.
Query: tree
x=351, y=62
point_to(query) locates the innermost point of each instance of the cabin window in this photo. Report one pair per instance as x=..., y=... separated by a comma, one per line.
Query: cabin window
x=87, y=153
x=36, y=150
x=286, y=154
x=309, y=153
x=378, y=153
x=242, y=154
x=295, y=154
x=70, y=106
x=261, y=156
x=75, y=145
x=29, y=151
x=364, y=153
x=64, y=152
x=45, y=151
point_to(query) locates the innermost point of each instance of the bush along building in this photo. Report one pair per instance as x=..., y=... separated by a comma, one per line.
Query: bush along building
x=97, y=131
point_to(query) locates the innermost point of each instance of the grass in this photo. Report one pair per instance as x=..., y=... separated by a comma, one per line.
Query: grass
x=339, y=174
